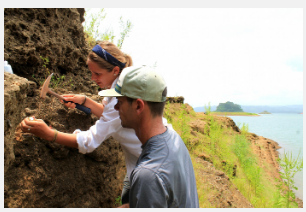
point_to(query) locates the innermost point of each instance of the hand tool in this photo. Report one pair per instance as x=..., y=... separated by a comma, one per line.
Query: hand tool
x=45, y=89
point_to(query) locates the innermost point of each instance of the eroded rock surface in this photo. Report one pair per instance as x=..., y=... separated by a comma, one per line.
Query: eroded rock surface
x=38, y=173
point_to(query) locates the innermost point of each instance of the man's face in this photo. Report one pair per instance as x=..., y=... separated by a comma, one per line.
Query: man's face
x=125, y=112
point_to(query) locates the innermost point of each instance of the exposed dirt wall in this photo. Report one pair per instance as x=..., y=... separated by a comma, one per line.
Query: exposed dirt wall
x=38, y=42
x=38, y=173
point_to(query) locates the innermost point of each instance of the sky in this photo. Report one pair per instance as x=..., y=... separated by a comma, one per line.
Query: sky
x=249, y=56
x=247, y=52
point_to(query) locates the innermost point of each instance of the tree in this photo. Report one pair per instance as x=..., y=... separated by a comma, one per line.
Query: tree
x=126, y=28
x=228, y=107
x=92, y=33
x=91, y=26
x=207, y=109
x=290, y=166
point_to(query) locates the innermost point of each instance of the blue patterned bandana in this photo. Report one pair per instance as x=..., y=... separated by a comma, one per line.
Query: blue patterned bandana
x=107, y=56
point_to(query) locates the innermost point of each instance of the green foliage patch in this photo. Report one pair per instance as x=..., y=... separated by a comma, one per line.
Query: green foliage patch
x=230, y=152
x=228, y=107
x=93, y=31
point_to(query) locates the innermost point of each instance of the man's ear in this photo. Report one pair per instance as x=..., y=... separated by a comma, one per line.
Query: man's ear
x=139, y=104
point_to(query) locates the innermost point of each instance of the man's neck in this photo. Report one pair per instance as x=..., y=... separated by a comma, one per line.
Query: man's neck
x=149, y=128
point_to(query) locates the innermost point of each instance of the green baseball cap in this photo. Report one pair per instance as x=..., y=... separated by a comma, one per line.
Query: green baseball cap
x=139, y=82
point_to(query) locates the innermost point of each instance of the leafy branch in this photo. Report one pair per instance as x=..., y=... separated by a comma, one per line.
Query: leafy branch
x=126, y=28
x=290, y=166
x=92, y=24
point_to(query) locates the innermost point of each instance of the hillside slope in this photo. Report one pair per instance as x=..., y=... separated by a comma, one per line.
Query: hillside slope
x=234, y=168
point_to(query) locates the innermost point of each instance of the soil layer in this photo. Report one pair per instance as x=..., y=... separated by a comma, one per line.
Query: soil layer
x=38, y=173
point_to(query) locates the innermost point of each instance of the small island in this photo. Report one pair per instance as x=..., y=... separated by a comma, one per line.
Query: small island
x=265, y=112
x=230, y=109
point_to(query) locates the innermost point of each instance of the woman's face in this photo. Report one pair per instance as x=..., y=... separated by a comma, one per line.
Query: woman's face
x=101, y=76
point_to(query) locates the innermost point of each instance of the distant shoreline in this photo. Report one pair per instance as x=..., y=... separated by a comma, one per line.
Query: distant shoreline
x=238, y=115
x=234, y=114
x=260, y=108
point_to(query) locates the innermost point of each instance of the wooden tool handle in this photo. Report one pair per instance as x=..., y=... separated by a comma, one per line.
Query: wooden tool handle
x=55, y=94
x=78, y=106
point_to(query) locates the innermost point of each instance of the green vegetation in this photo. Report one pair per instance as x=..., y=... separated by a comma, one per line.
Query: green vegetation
x=248, y=163
x=207, y=109
x=227, y=151
x=126, y=28
x=118, y=201
x=228, y=107
x=92, y=24
x=290, y=166
x=183, y=126
x=40, y=82
x=56, y=81
x=91, y=27
x=234, y=114
x=265, y=112
x=46, y=71
x=46, y=61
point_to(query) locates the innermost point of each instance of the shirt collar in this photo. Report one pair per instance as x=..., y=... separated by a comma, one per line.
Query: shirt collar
x=148, y=141
x=108, y=99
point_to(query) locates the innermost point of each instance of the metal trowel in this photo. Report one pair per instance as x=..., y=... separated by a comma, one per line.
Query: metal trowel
x=45, y=89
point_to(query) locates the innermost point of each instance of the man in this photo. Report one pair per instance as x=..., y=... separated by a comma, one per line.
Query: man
x=163, y=176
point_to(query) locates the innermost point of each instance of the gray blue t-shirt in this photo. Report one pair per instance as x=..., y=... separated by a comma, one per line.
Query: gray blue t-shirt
x=164, y=176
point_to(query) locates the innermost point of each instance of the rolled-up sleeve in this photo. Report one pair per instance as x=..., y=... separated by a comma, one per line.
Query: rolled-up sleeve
x=108, y=124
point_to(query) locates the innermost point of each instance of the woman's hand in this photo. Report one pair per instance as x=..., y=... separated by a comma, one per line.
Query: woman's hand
x=96, y=108
x=37, y=127
x=80, y=99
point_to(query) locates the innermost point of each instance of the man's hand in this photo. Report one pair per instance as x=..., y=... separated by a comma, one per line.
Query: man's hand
x=127, y=205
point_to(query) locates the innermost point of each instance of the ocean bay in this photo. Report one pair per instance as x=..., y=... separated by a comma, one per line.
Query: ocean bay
x=284, y=128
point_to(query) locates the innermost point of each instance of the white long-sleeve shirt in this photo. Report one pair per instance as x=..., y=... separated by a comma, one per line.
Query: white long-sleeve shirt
x=108, y=125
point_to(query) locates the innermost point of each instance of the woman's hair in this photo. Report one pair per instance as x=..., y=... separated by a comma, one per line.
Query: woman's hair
x=115, y=52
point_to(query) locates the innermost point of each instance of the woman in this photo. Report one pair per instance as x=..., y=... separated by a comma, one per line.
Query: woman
x=105, y=62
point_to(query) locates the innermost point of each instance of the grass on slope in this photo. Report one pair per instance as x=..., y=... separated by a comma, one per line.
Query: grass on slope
x=228, y=151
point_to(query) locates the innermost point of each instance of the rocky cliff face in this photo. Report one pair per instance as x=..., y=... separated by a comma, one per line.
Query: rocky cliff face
x=38, y=42
x=38, y=173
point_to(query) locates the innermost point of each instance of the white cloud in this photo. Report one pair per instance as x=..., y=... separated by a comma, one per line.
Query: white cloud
x=215, y=55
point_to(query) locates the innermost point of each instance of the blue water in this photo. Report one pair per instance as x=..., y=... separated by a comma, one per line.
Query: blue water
x=284, y=128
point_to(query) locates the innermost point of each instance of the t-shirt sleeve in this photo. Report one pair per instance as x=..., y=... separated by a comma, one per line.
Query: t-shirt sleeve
x=147, y=190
